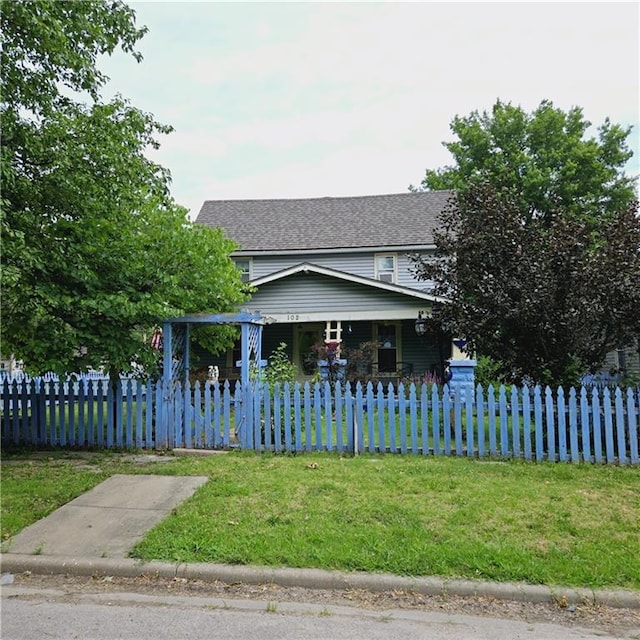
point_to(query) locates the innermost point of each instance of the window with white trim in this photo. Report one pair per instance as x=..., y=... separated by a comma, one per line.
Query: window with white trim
x=244, y=266
x=386, y=267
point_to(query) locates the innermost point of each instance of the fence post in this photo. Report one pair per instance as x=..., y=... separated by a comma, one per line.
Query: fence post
x=633, y=426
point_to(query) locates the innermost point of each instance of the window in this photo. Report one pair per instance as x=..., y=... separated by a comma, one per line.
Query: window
x=244, y=266
x=386, y=267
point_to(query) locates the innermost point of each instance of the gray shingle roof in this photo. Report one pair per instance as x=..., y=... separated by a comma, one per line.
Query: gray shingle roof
x=403, y=219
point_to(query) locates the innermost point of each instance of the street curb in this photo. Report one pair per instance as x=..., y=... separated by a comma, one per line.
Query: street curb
x=315, y=579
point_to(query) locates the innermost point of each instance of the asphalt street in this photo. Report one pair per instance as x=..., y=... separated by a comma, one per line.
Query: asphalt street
x=33, y=613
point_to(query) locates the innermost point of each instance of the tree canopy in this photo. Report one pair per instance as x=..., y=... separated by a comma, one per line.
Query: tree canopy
x=544, y=159
x=95, y=251
x=538, y=252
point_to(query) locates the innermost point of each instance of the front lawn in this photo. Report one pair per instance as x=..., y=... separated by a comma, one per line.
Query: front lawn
x=499, y=520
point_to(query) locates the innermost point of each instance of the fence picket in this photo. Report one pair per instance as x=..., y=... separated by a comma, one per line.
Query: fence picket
x=515, y=422
x=586, y=424
x=491, y=403
x=358, y=415
x=401, y=403
x=226, y=430
x=33, y=418
x=413, y=418
x=573, y=426
x=277, y=417
x=537, y=411
x=446, y=419
x=382, y=432
x=211, y=414
x=424, y=418
x=457, y=423
x=287, y=416
x=24, y=409
x=562, y=426
x=389, y=407
x=550, y=423
x=622, y=445
x=118, y=417
x=297, y=414
x=504, y=432
x=149, y=415
x=7, y=410
x=435, y=417
x=161, y=421
x=526, y=422
x=38, y=417
x=597, y=425
x=339, y=411
x=62, y=433
x=608, y=425
x=129, y=414
x=480, y=425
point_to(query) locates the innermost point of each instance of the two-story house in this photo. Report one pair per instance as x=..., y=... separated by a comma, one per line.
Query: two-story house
x=337, y=269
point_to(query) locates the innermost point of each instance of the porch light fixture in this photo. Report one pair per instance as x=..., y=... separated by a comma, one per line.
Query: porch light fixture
x=421, y=324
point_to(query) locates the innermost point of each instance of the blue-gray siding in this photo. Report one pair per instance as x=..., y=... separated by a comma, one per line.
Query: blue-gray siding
x=359, y=264
x=312, y=292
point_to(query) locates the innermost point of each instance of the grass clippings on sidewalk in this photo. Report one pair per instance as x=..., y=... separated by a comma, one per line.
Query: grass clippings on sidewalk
x=506, y=521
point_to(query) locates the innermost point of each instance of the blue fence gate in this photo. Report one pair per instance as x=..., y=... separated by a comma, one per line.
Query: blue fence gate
x=178, y=412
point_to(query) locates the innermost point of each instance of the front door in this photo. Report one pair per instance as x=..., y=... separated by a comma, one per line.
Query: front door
x=305, y=337
x=387, y=335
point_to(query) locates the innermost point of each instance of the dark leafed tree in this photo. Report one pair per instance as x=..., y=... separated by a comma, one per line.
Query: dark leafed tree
x=94, y=249
x=539, y=249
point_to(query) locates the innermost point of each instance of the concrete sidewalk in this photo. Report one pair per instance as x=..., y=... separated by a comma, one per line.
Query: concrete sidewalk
x=93, y=535
x=107, y=521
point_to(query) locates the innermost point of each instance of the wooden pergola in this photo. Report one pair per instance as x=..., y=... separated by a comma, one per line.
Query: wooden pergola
x=176, y=339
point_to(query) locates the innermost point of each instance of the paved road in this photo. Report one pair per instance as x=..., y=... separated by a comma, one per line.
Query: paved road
x=29, y=613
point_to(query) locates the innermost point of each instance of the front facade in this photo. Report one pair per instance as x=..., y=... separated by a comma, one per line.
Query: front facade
x=337, y=270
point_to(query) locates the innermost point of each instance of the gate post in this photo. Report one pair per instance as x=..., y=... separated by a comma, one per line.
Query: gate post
x=167, y=384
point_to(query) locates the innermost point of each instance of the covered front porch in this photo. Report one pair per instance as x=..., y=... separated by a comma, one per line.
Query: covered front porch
x=309, y=306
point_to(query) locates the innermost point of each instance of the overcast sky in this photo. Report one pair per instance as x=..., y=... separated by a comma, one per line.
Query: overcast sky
x=292, y=100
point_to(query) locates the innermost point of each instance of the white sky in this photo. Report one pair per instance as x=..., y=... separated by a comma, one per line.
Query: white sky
x=288, y=100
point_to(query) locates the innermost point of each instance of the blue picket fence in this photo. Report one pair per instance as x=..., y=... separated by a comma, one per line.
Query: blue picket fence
x=579, y=425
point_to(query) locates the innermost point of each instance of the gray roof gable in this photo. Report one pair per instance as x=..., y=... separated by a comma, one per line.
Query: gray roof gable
x=395, y=220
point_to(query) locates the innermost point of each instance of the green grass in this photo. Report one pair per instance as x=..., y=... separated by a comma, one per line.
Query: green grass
x=507, y=521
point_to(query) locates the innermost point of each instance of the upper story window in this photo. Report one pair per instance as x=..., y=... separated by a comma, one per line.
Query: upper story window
x=386, y=267
x=244, y=266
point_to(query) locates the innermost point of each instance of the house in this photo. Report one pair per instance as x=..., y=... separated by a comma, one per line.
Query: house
x=337, y=270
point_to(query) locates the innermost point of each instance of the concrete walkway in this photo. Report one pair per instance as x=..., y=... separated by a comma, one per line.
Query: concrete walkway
x=93, y=535
x=109, y=520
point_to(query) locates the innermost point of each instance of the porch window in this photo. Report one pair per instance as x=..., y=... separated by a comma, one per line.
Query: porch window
x=386, y=267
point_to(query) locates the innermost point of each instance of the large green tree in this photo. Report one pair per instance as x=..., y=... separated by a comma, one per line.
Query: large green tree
x=95, y=251
x=538, y=252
